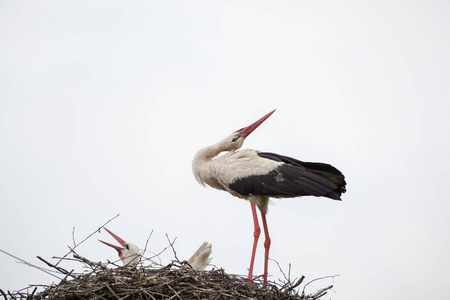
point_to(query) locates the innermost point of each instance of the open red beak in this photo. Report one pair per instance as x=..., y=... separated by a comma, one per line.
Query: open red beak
x=249, y=129
x=119, y=249
x=122, y=242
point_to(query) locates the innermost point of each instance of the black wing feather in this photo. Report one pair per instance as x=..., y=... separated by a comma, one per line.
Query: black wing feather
x=293, y=178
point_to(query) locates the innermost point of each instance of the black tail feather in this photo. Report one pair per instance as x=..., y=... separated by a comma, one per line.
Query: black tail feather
x=325, y=170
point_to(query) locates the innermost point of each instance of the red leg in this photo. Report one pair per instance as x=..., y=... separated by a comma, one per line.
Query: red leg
x=256, y=234
x=266, y=246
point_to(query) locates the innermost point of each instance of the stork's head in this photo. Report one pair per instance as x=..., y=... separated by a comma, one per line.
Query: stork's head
x=128, y=253
x=236, y=139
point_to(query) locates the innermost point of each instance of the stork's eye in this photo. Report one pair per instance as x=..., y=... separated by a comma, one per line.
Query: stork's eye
x=126, y=246
x=235, y=139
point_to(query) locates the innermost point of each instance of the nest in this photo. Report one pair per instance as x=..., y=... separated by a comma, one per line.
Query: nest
x=174, y=281
x=177, y=280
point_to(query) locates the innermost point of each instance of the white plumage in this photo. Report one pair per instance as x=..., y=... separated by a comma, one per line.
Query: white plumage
x=256, y=176
x=201, y=258
x=220, y=172
x=130, y=255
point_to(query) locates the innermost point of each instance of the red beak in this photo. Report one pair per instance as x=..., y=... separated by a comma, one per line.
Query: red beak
x=249, y=129
x=122, y=242
x=119, y=249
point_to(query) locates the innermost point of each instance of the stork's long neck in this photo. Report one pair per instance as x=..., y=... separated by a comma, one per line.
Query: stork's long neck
x=201, y=165
x=201, y=161
x=207, y=153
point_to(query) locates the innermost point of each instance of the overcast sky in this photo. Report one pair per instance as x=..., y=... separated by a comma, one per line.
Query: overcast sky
x=103, y=106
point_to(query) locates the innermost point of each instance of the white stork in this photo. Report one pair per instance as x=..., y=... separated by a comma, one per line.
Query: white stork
x=128, y=253
x=256, y=176
x=200, y=259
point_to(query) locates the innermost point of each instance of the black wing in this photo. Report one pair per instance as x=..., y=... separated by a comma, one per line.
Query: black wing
x=293, y=178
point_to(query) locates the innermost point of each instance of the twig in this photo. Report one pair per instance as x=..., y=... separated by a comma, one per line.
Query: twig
x=295, y=284
x=289, y=272
x=145, y=248
x=65, y=278
x=320, y=278
x=176, y=294
x=279, y=268
x=30, y=264
x=158, y=254
x=61, y=270
x=173, y=249
x=112, y=291
x=322, y=292
x=3, y=293
x=32, y=294
x=85, y=239
x=87, y=261
x=73, y=237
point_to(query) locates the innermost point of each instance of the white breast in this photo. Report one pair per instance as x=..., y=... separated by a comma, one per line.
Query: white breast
x=241, y=164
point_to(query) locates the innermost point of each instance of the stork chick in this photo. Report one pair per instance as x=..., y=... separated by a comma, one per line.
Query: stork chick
x=128, y=253
x=200, y=259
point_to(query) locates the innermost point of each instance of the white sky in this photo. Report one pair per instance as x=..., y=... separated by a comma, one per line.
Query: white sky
x=103, y=106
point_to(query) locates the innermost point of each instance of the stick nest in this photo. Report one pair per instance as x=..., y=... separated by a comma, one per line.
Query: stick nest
x=151, y=280
x=175, y=281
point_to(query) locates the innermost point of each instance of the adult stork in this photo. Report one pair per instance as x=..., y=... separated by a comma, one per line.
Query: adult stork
x=257, y=176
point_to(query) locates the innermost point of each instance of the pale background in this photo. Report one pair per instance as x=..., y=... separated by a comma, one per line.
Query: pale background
x=104, y=104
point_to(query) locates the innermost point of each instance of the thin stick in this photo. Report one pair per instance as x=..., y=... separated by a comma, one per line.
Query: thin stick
x=30, y=264
x=61, y=270
x=73, y=236
x=32, y=294
x=3, y=293
x=87, y=261
x=295, y=284
x=85, y=239
x=65, y=278
x=322, y=292
x=158, y=254
x=112, y=291
x=279, y=268
x=145, y=248
x=332, y=276
x=173, y=249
